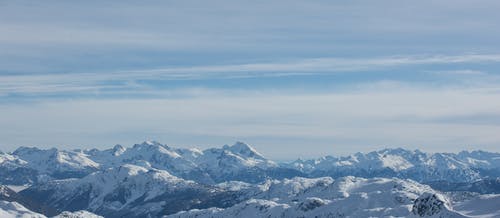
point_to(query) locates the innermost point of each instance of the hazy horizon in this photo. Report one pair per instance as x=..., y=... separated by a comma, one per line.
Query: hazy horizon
x=290, y=78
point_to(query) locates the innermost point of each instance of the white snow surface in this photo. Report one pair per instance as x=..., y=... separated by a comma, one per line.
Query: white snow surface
x=138, y=181
x=480, y=206
x=16, y=210
x=77, y=214
x=345, y=197
x=52, y=160
x=180, y=162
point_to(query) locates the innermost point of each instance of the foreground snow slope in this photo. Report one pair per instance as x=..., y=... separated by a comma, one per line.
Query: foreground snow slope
x=16, y=210
x=345, y=197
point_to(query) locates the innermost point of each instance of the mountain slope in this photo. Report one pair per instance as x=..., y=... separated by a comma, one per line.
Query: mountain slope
x=56, y=163
x=237, y=162
x=241, y=162
x=345, y=197
x=480, y=206
x=128, y=190
x=16, y=210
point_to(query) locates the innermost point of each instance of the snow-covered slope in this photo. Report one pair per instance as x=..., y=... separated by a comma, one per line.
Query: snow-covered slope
x=15, y=171
x=480, y=206
x=237, y=162
x=77, y=214
x=56, y=163
x=151, y=153
x=130, y=191
x=16, y=210
x=484, y=186
x=345, y=197
x=29, y=165
x=401, y=163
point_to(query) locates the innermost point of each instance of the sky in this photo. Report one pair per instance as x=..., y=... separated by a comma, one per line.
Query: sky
x=292, y=78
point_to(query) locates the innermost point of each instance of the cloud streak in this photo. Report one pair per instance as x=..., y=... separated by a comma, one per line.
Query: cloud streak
x=32, y=84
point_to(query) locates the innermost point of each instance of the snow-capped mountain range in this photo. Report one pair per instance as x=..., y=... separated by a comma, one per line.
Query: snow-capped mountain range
x=423, y=167
x=237, y=162
x=241, y=162
x=153, y=180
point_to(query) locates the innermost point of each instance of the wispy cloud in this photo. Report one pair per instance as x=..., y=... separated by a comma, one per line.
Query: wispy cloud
x=126, y=79
x=458, y=72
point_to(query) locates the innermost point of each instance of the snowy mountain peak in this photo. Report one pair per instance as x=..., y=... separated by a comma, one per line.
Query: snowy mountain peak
x=118, y=150
x=244, y=149
x=402, y=163
x=26, y=150
x=149, y=142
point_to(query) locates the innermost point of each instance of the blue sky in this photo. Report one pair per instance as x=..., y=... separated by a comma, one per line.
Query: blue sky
x=293, y=78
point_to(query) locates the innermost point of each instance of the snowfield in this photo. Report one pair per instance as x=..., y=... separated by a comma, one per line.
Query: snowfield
x=345, y=197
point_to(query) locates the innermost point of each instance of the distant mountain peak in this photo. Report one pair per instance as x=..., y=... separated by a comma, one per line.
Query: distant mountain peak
x=26, y=150
x=244, y=149
x=118, y=150
x=151, y=142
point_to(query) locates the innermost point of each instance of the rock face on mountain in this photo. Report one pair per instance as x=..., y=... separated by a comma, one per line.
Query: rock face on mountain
x=7, y=194
x=429, y=204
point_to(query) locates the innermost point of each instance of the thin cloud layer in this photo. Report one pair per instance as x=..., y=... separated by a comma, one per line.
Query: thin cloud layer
x=77, y=83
